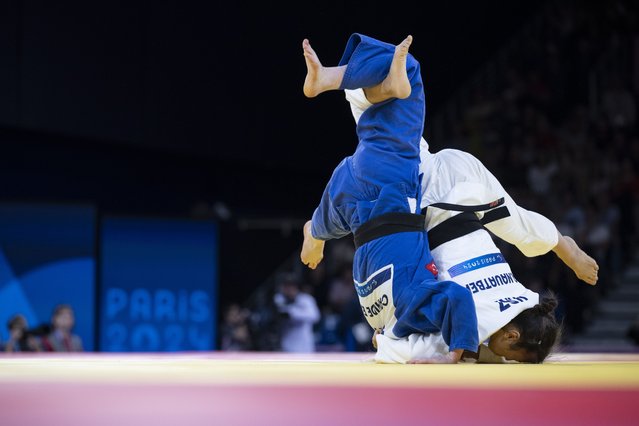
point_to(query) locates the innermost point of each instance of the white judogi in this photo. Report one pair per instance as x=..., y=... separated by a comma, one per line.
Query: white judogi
x=458, y=177
x=473, y=260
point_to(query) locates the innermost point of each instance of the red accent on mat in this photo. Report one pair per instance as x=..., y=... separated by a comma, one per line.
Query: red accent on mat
x=101, y=405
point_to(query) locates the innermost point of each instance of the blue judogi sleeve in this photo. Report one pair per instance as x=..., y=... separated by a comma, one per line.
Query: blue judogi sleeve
x=445, y=307
x=336, y=215
x=327, y=222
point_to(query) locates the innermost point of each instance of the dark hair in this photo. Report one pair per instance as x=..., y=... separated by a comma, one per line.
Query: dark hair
x=17, y=320
x=538, y=328
x=61, y=307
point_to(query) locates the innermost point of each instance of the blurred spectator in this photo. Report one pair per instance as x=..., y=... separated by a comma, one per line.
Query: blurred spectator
x=573, y=216
x=354, y=328
x=341, y=252
x=330, y=336
x=20, y=339
x=264, y=320
x=564, y=112
x=235, y=329
x=341, y=290
x=317, y=282
x=541, y=174
x=298, y=312
x=618, y=104
x=61, y=337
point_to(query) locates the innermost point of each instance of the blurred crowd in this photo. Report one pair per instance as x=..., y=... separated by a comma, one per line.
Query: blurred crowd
x=558, y=127
x=302, y=310
x=55, y=336
x=554, y=117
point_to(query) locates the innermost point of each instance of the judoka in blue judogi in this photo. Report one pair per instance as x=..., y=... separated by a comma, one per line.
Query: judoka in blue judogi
x=375, y=195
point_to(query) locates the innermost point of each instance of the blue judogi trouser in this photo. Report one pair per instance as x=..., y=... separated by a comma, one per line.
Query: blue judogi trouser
x=392, y=274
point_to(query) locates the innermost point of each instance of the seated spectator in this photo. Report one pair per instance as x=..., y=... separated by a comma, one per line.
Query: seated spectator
x=340, y=288
x=61, y=337
x=20, y=340
x=235, y=330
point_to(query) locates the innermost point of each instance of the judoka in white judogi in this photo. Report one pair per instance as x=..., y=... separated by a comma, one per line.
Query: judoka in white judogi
x=472, y=260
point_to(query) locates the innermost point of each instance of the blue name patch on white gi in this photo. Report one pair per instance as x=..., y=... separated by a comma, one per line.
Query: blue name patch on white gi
x=476, y=263
x=377, y=279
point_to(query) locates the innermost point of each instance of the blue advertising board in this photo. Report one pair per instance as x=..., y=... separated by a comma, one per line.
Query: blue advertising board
x=158, y=280
x=47, y=257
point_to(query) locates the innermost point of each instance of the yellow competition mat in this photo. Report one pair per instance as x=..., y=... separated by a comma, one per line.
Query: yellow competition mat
x=340, y=388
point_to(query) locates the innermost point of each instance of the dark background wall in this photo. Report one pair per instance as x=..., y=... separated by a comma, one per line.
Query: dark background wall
x=150, y=108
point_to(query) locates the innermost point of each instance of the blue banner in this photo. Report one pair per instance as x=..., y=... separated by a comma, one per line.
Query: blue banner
x=47, y=257
x=158, y=285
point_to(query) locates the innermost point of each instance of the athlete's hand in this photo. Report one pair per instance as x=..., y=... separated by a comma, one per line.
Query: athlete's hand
x=452, y=357
x=312, y=249
x=375, y=334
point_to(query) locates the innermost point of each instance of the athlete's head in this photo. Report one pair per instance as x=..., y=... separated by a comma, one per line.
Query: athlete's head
x=531, y=335
x=17, y=326
x=63, y=318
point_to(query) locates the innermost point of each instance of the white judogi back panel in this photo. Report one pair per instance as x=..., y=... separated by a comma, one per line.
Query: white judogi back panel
x=474, y=262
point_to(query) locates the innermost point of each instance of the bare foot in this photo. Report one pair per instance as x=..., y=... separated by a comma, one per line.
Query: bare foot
x=397, y=80
x=396, y=83
x=319, y=78
x=584, y=266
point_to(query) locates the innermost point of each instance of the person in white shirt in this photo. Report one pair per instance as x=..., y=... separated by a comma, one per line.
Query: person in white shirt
x=298, y=313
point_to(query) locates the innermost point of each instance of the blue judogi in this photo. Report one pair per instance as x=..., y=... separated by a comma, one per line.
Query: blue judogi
x=397, y=290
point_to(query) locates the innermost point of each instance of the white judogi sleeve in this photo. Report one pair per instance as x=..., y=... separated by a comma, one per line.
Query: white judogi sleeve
x=458, y=177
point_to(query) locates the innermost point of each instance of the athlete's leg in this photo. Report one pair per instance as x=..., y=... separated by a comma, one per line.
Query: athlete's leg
x=396, y=83
x=319, y=78
x=584, y=266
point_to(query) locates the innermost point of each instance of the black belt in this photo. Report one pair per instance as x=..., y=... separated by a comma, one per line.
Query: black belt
x=463, y=224
x=387, y=224
x=463, y=208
